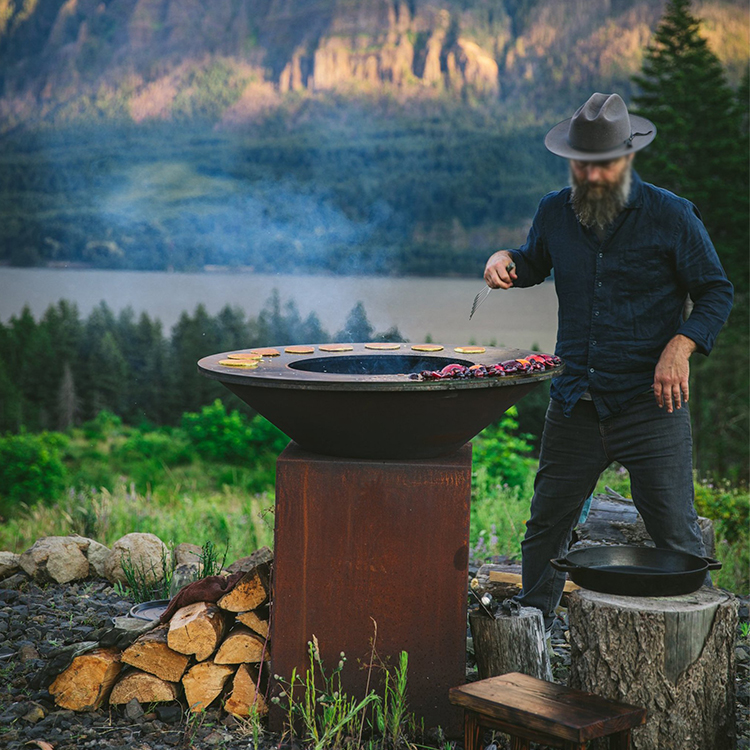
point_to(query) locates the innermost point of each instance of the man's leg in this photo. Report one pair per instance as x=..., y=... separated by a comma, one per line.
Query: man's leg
x=656, y=448
x=571, y=459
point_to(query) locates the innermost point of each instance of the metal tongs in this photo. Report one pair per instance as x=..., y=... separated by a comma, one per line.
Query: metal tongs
x=482, y=296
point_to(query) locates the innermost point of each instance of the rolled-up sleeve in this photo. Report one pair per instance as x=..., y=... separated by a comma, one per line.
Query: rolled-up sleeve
x=700, y=271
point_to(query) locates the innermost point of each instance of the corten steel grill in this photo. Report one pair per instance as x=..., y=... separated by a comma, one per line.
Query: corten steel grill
x=362, y=404
x=372, y=508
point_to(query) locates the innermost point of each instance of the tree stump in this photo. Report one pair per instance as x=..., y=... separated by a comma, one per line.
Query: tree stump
x=510, y=643
x=672, y=655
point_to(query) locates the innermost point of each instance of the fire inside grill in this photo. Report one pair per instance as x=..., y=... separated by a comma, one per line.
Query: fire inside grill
x=368, y=403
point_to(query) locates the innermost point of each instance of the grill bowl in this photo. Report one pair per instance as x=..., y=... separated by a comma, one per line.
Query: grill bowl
x=362, y=403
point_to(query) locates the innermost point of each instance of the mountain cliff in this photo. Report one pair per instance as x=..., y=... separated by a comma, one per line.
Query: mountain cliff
x=232, y=60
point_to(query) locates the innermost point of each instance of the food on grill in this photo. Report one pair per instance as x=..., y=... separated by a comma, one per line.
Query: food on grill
x=427, y=347
x=382, y=345
x=267, y=352
x=243, y=355
x=470, y=349
x=248, y=364
x=335, y=347
x=299, y=349
x=455, y=371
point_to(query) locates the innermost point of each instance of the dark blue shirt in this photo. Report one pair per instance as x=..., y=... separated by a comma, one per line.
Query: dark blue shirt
x=621, y=299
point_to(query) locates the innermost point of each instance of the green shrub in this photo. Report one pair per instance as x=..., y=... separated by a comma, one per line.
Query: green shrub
x=504, y=453
x=727, y=506
x=231, y=437
x=102, y=425
x=31, y=469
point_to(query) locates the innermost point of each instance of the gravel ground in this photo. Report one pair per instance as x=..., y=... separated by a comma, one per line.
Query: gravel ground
x=35, y=621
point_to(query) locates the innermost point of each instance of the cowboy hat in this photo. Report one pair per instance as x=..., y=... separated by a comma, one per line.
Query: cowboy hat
x=600, y=130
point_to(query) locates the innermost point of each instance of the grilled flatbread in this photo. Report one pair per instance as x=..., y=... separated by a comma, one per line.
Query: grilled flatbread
x=382, y=345
x=336, y=347
x=427, y=347
x=267, y=352
x=470, y=349
x=248, y=364
x=299, y=349
x=243, y=355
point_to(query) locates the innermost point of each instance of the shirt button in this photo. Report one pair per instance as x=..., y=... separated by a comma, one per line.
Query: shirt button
x=601, y=255
x=596, y=312
x=591, y=369
x=599, y=283
x=593, y=343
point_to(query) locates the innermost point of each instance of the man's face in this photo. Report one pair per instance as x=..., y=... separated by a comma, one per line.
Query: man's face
x=600, y=189
x=600, y=175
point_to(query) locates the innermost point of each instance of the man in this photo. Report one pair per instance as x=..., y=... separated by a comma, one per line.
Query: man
x=626, y=255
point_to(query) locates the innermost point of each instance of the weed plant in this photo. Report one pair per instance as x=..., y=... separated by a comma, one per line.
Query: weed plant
x=321, y=716
x=146, y=584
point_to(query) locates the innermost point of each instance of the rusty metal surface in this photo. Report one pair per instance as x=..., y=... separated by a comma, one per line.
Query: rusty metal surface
x=380, y=416
x=361, y=540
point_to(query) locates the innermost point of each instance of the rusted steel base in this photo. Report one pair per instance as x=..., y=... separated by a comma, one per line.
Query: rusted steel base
x=359, y=540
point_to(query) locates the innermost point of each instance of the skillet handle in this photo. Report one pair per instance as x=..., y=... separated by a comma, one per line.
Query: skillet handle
x=561, y=563
x=712, y=564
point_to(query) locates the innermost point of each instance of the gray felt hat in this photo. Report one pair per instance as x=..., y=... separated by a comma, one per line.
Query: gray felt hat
x=601, y=129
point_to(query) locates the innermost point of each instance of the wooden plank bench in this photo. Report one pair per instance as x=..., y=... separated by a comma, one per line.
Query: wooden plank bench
x=532, y=710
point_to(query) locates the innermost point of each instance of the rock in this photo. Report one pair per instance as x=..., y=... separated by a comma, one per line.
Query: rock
x=14, y=582
x=26, y=653
x=9, y=564
x=97, y=555
x=34, y=714
x=55, y=558
x=186, y=553
x=145, y=552
x=134, y=711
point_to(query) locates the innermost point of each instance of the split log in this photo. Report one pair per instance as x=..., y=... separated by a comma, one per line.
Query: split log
x=250, y=592
x=257, y=624
x=672, y=655
x=152, y=654
x=242, y=646
x=503, y=581
x=196, y=629
x=510, y=643
x=144, y=687
x=86, y=683
x=245, y=697
x=204, y=683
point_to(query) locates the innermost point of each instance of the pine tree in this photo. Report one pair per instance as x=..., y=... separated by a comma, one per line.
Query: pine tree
x=701, y=153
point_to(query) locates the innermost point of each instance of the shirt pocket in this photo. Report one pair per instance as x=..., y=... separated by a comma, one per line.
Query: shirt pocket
x=645, y=269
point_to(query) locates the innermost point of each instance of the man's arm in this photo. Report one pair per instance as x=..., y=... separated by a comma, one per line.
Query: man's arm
x=672, y=373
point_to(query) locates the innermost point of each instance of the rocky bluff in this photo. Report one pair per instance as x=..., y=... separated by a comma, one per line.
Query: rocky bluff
x=233, y=58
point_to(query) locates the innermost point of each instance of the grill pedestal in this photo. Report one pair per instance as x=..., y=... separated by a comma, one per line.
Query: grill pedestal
x=357, y=539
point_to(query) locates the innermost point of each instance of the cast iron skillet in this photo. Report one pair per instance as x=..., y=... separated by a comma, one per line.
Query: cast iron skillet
x=636, y=571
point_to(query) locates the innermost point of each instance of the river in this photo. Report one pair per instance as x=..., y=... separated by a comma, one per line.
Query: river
x=437, y=307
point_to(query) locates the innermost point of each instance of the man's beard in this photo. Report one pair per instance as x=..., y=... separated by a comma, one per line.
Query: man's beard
x=598, y=206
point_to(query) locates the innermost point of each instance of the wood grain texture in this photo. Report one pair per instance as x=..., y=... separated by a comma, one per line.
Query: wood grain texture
x=144, y=687
x=152, y=654
x=673, y=655
x=85, y=685
x=510, y=644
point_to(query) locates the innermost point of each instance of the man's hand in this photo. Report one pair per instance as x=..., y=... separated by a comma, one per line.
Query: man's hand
x=496, y=272
x=672, y=373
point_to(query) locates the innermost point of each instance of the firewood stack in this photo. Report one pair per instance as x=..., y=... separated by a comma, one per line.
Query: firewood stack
x=206, y=650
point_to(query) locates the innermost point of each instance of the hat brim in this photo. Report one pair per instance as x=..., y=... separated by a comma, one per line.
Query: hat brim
x=556, y=141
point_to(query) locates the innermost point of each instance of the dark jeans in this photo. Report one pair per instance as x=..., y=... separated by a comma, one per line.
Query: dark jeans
x=654, y=446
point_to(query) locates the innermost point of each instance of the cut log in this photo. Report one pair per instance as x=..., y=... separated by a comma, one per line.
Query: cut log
x=196, y=629
x=503, y=581
x=86, y=683
x=672, y=655
x=204, y=683
x=250, y=592
x=510, y=643
x=152, y=654
x=242, y=646
x=245, y=697
x=144, y=687
x=614, y=519
x=246, y=564
x=254, y=622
